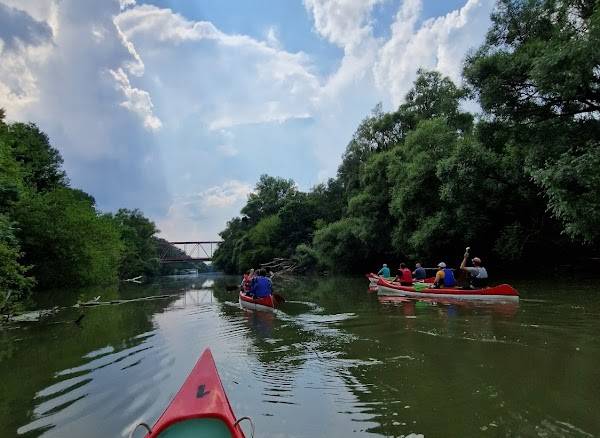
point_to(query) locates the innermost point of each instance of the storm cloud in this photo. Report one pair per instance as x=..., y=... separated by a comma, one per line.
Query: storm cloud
x=18, y=26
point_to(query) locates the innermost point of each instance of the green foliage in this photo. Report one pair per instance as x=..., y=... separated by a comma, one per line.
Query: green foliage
x=415, y=191
x=340, y=246
x=140, y=250
x=11, y=179
x=306, y=258
x=537, y=78
x=434, y=96
x=262, y=244
x=15, y=284
x=268, y=197
x=40, y=162
x=571, y=184
x=66, y=241
x=226, y=256
x=53, y=232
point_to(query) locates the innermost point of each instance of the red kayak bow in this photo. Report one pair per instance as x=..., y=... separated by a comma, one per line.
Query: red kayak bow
x=200, y=408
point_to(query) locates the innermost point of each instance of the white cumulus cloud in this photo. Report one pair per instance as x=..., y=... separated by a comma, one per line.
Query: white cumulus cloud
x=137, y=101
x=345, y=23
x=200, y=215
x=437, y=44
x=249, y=82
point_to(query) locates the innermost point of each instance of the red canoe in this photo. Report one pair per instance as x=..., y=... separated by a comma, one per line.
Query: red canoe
x=502, y=292
x=200, y=408
x=374, y=278
x=266, y=304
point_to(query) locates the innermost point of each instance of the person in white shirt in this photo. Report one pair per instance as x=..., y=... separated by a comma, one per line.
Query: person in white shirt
x=478, y=276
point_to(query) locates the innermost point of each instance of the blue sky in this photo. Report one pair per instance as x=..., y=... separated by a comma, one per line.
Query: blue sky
x=176, y=107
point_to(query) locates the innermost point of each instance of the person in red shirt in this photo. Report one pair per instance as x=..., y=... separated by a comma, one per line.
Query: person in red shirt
x=404, y=276
x=247, y=280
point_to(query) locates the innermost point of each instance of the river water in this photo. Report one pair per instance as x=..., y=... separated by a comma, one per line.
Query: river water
x=334, y=362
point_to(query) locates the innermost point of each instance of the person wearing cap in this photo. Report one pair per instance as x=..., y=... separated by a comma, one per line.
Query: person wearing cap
x=444, y=277
x=478, y=276
x=404, y=275
x=385, y=271
x=419, y=273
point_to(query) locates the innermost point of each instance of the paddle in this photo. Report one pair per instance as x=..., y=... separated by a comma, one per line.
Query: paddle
x=279, y=298
x=462, y=276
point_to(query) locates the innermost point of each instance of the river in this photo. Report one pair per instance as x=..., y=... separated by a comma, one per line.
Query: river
x=334, y=362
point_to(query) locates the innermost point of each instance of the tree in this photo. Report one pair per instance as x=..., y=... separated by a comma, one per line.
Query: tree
x=226, y=256
x=268, y=197
x=434, y=96
x=15, y=283
x=341, y=246
x=537, y=79
x=421, y=222
x=66, y=241
x=140, y=250
x=41, y=164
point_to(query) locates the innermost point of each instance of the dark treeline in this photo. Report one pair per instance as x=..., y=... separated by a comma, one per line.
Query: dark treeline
x=518, y=182
x=52, y=235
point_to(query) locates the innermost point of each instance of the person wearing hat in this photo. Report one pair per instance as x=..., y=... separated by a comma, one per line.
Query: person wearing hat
x=444, y=277
x=478, y=276
x=385, y=271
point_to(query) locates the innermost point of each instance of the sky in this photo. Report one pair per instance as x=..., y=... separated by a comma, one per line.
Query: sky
x=176, y=107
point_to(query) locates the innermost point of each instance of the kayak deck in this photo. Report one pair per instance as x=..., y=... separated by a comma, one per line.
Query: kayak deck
x=200, y=408
x=196, y=427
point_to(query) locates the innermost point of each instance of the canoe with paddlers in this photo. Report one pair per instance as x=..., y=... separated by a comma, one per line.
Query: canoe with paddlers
x=502, y=292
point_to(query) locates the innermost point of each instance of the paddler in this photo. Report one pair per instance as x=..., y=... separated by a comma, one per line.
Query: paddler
x=384, y=271
x=419, y=273
x=247, y=280
x=404, y=276
x=444, y=277
x=478, y=276
x=261, y=285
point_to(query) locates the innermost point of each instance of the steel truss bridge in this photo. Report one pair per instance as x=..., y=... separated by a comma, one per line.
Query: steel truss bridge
x=193, y=251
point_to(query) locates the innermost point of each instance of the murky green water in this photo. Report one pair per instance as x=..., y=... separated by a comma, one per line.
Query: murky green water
x=335, y=362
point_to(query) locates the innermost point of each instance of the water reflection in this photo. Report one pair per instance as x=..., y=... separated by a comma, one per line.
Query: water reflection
x=452, y=307
x=335, y=361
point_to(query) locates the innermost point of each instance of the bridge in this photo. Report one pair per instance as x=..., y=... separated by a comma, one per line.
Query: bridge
x=192, y=251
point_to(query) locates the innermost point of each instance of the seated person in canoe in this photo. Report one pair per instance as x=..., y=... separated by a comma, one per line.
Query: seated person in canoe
x=478, y=276
x=404, y=276
x=247, y=280
x=384, y=271
x=419, y=273
x=444, y=277
x=261, y=285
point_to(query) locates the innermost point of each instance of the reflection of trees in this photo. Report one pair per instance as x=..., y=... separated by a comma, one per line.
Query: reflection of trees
x=41, y=350
x=451, y=368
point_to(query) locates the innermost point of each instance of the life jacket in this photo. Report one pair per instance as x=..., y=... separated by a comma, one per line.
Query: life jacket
x=449, y=280
x=420, y=274
x=261, y=287
x=406, y=275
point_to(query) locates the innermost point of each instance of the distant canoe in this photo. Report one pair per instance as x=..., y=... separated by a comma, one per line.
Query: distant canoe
x=374, y=278
x=502, y=292
x=266, y=304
